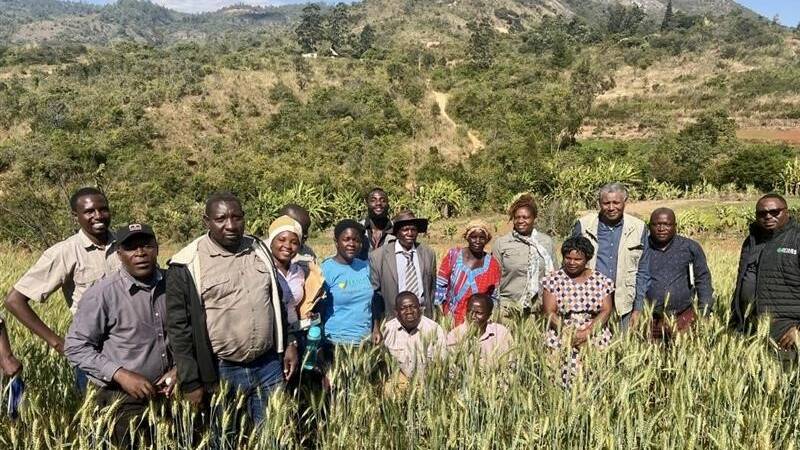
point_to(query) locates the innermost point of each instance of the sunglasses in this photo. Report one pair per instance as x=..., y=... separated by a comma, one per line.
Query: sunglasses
x=763, y=213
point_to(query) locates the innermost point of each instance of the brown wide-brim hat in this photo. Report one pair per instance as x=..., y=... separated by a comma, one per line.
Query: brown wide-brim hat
x=408, y=218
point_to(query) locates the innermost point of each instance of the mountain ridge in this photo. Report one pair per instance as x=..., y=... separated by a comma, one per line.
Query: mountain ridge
x=45, y=21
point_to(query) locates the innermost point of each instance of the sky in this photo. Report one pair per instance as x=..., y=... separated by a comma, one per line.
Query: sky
x=788, y=10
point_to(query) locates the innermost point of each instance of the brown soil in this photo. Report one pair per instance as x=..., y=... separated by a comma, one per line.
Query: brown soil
x=788, y=136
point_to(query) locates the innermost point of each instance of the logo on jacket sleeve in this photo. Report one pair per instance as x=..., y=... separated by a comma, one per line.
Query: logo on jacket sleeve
x=787, y=251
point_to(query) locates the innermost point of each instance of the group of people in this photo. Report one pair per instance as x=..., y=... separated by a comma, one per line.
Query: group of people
x=236, y=308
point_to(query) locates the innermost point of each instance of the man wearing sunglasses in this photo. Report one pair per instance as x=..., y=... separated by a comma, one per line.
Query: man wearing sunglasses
x=769, y=276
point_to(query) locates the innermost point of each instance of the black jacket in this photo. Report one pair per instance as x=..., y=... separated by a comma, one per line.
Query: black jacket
x=777, y=281
x=188, y=335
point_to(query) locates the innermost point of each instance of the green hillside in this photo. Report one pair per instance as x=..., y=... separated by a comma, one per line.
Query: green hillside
x=453, y=108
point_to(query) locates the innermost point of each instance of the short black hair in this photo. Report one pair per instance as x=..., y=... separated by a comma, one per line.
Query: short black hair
x=579, y=244
x=663, y=210
x=374, y=190
x=347, y=224
x=482, y=298
x=405, y=294
x=222, y=196
x=292, y=207
x=776, y=196
x=84, y=192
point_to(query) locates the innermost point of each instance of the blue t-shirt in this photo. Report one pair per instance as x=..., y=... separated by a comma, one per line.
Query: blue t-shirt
x=347, y=311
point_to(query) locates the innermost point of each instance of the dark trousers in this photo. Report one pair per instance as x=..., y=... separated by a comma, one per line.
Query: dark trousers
x=665, y=326
x=131, y=428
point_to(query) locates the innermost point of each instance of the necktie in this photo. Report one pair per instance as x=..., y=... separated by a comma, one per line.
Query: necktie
x=412, y=284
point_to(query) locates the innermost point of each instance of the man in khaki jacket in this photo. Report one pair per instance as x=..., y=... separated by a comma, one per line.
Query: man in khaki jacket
x=620, y=242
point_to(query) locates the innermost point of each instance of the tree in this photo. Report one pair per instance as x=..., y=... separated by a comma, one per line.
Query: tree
x=309, y=31
x=302, y=71
x=586, y=84
x=366, y=40
x=338, y=26
x=479, y=49
x=666, y=24
x=624, y=20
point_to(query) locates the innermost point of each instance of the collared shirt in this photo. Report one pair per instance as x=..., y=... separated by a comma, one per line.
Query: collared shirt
x=235, y=289
x=495, y=343
x=402, y=262
x=608, y=237
x=513, y=254
x=367, y=243
x=73, y=265
x=292, y=285
x=121, y=324
x=414, y=349
x=670, y=279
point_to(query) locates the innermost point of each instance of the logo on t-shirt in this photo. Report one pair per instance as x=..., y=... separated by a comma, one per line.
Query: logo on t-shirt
x=788, y=251
x=342, y=285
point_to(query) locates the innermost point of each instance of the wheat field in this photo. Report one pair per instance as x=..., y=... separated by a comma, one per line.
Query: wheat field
x=710, y=389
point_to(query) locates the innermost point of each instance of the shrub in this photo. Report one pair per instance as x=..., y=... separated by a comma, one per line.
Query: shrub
x=579, y=184
x=759, y=165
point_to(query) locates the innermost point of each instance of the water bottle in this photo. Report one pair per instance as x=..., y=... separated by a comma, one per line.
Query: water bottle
x=312, y=344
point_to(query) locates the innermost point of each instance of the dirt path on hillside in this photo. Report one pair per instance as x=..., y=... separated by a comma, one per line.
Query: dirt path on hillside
x=441, y=100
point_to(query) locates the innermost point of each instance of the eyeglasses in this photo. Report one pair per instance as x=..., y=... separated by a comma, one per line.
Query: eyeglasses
x=763, y=213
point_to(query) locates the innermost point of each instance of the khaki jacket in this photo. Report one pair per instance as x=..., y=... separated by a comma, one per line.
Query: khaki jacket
x=628, y=256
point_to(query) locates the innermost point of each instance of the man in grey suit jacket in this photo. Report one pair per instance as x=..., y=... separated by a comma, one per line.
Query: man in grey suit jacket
x=404, y=265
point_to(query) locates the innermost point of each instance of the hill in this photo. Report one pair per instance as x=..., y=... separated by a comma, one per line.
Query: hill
x=452, y=107
x=50, y=21
x=41, y=21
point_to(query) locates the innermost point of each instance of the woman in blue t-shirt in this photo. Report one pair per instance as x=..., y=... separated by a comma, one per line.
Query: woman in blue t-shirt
x=347, y=308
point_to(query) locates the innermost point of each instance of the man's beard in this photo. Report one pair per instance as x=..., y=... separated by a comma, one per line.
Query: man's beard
x=382, y=217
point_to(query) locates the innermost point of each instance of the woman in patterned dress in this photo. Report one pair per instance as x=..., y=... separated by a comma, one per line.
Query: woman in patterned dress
x=467, y=271
x=577, y=302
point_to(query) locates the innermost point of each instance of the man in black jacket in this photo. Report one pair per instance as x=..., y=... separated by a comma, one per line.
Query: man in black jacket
x=768, y=282
x=225, y=318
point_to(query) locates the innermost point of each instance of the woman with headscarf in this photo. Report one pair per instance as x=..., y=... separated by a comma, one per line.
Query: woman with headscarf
x=467, y=271
x=526, y=255
x=283, y=242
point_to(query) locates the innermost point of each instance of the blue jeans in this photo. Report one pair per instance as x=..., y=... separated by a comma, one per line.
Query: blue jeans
x=256, y=380
x=81, y=380
x=625, y=322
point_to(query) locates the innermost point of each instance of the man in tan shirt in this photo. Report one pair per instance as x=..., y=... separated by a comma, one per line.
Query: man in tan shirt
x=73, y=265
x=225, y=318
x=411, y=338
x=493, y=339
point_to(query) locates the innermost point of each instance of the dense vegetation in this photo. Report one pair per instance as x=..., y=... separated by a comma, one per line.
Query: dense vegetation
x=159, y=125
